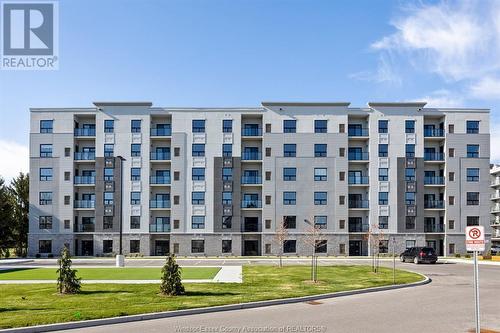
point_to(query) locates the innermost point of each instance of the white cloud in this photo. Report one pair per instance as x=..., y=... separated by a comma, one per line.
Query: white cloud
x=15, y=159
x=442, y=98
x=486, y=88
x=495, y=142
x=385, y=73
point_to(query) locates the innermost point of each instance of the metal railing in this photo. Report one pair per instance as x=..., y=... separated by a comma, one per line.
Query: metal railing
x=165, y=227
x=84, y=204
x=161, y=131
x=251, y=132
x=251, y=180
x=363, y=156
x=353, y=180
x=433, y=156
x=433, y=204
x=251, y=204
x=433, y=132
x=357, y=132
x=434, y=180
x=157, y=156
x=159, y=203
x=84, y=132
x=359, y=204
x=251, y=156
x=84, y=180
x=84, y=156
x=159, y=180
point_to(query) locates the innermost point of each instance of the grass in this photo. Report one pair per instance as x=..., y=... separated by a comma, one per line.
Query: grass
x=129, y=273
x=26, y=305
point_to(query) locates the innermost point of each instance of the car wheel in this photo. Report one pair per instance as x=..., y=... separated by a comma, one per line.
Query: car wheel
x=415, y=260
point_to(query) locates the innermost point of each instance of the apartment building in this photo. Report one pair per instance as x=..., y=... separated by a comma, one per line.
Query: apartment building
x=222, y=181
x=495, y=204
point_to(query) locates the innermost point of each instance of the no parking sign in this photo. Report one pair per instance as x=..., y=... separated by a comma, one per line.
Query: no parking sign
x=474, y=238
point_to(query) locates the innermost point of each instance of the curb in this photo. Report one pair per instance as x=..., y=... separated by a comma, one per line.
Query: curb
x=230, y=307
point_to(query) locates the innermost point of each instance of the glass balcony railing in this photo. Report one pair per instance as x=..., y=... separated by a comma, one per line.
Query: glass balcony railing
x=84, y=156
x=251, y=132
x=434, y=180
x=165, y=227
x=84, y=132
x=251, y=180
x=433, y=156
x=159, y=203
x=434, y=204
x=89, y=180
x=157, y=156
x=251, y=156
x=251, y=204
x=358, y=203
x=161, y=131
x=362, y=156
x=159, y=180
x=358, y=227
x=433, y=132
x=357, y=180
x=85, y=227
x=433, y=228
x=84, y=204
x=357, y=131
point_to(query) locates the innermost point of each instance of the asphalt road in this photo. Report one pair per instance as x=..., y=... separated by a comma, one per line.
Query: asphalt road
x=445, y=305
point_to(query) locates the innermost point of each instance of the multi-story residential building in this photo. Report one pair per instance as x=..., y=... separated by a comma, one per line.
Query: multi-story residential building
x=221, y=181
x=495, y=204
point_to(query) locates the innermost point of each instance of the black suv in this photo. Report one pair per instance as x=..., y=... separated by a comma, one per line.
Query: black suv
x=419, y=255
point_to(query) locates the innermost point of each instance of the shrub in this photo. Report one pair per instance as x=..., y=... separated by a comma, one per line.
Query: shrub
x=457, y=255
x=50, y=255
x=38, y=255
x=7, y=253
x=67, y=282
x=468, y=256
x=171, y=284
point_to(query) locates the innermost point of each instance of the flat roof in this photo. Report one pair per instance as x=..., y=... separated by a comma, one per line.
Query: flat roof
x=147, y=104
x=313, y=104
x=397, y=104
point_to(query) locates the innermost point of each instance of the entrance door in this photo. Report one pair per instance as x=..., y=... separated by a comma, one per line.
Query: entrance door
x=251, y=224
x=251, y=248
x=432, y=243
x=162, y=247
x=87, y=247
x=355, y=248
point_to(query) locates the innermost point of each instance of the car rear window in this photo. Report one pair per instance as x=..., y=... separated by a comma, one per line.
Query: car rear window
x=428, y=250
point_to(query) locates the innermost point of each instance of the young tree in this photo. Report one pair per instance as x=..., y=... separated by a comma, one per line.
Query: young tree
x=279, y=237
x=67, y=282
x=312, y=237
x=6, y=222
x=374, y=236
x=171, y=284
x=19, y=198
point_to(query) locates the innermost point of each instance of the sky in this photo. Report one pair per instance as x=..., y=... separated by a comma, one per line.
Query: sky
x=225, y=53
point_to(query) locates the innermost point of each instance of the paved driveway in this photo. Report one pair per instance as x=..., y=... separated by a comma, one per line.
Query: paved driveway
x=445, y=305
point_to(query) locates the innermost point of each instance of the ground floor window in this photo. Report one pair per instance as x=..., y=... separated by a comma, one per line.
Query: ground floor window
x=45, y=246
x=107, y=246
x=320, y=246
x=451, y=247
x=383, y=246
x=267, y=249
x=227, y=246
x=135, y=246
x=342, y=248
x=290, y=246
x=176, y=248
x=410, y=243
x=197, y=246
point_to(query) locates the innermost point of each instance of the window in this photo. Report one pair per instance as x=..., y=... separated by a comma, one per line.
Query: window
x=342, y=249
x=135, y=222
x=198, y=222
x=198, y=149
x=197, y=246
x=227, y=126
x=289, y=174
x=198, y=126
x=320, y=246
x=227, y=150
x=410, y=243
x=227, y=173
x=472, y=174
x=383, y=198
x=473, y=151
x=67, y=152
x=410, y=198
x=67, y=175
x=451, y=200
x=67, y=199
x=472, y=221
x=227, y=198
x=135, y=198
x=341, y=128
x=341, y=224
x=268, y=199
x=472, y=127
x=268, y=224
x=383, y=246
x=268, y=128
x=198, y=198
x=177, y=175
x=289, y=246
x=320, y=222
x=410, y=150
x=410, y=174
x=383, y=150
x=410, y=222
x=107, y=246
x=267, y=248
x=410, y=126
x=268, y=175
x=66, y=224
x=320, y=126
x=451, y=152
x=109, y=150
x=176, y=224
x=289, y=150
x=289, y=126
x=451, y=128
x=227, y=246
x=289, y=222
x=289, y=198
x=472, y=198
x=107, y=222
x=45, y=198
x=45, y=174
x=108, y=198
x=109, y=173
x=45, y=246
x=383, y=174
x=46, y=126
x=451, y=248
x=341, y=176
x=342, y=200
x=320, y=150
x=451, y=176
x=320, y=174
x=268, y=151
x=383, y=126
x=109, y=126
x=135, y=174
x=383, y=222
x=135, y=126
x=176, y=248
x=135, y=246
x=45, y=222
x=199, y=173
x=227, y=222
x=341, y=152
x=45, y=150
x=135, y=149
x=320, y=198
x=177, y=151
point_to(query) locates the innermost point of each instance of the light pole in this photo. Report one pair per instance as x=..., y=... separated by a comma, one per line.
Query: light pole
x=120, y=259
x=313, y=241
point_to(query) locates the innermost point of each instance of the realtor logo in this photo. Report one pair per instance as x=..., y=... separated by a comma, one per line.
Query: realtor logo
x=29, y=35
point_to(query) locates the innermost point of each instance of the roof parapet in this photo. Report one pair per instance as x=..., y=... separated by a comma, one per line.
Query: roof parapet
x=397, y=104
x=313, y=104
x=100, y=104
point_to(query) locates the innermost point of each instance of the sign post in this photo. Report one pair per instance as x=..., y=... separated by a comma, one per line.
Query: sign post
x=474, y=241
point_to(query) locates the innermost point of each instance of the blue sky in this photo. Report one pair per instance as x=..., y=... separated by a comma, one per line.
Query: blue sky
x=241, y=52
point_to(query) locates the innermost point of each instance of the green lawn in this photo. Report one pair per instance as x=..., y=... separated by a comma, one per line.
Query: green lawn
x=128, y=273
x=23, y=305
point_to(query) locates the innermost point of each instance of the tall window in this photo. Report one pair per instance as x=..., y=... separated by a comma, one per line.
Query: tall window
x=45, y=198
x=135, y=149
x=135, y=125
x=227, y=198
x=198, y=174
x=135, y=198
x=383, y=150
x=109, y=150
x=472, y=174
x=320, y=222
x=383, y=198
x=289, y=150
x=198, y=126
x=227, y=150
x=45, y=150
x=473, y=151
x=410, y=174
x=198, y=149
x=320, y=174
x=383, y=126
x=320, y=198
x=289, y=198
x=45, y=174
x=135, y=222
x=135, y=174
x=108, y=173
x=410, y=223
x=45, y=222
x=227, y=246
x=320, y=126
x=472, y=127
x=197, y=246
x=46, y=126
x=109, y=126
x=383, y=222
x=290, y=246
x=227, y=222
x=108, y=198
x=227, y=126
x=289, y=126
x=472, y=221
x=410, y=126
x=45, y=246
x=472, y=198
x=135, y=246
x=383, y=174
x=198, y=222
x=227, y=173
x=320, y=150
x=198, y=198
x=290, y=222
x=289, y=174
x=410, y=150
x=410, y=198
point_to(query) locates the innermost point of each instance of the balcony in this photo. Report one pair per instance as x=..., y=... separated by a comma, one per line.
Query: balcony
x=495, y=208
x=358, y=180
x=251, y=180
x=251, y=156
x=429, y=227
x=251, y=132
x=161, y=132
x=495, y=182
x=495, y=196
x=363, y=156
x=159, y=204
x=85, y=227
x=88, y=204
x=165, y=227
x=434, y=181
x=84, y=180
x=159, y=180
x=495, y=222
x=356, y=132
x=433, y=156
x=363, y=204
x=156, y=156
x=84, y=132
x=251, y=204
x=358, y=227
x=434, y=204
x=433, y=132
x=84, y=156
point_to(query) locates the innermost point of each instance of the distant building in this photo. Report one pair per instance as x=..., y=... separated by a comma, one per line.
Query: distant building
x=495, y=207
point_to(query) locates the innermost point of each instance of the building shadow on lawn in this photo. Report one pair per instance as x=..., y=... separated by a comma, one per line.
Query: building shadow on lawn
x=10, y=270
x=208, y=293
